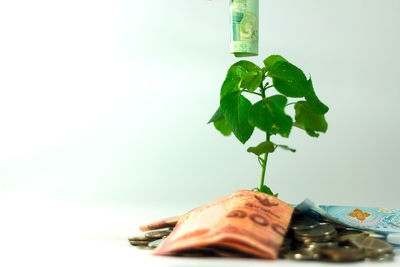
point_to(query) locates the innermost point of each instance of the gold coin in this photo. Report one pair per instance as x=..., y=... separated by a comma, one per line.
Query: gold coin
x=301, y=255
x=319, y=245
x=304, y=223
x=157, y=234
x=139, y=243
x=372, y=246
x=140, y=238
x=383, y=257
x=340, y=254
x=321, y=233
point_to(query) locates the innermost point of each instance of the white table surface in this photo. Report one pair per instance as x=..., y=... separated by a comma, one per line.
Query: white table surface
x=41, y=231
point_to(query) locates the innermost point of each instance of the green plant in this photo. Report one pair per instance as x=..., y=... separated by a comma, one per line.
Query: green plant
x=238, y=115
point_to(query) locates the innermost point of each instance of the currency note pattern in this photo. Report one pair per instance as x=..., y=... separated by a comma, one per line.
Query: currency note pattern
x=380, y=220
x=377, y=219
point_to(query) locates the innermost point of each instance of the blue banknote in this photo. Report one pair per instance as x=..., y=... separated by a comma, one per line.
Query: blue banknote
x=380, y=220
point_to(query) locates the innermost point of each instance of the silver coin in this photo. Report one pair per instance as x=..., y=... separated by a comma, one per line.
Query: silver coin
x=155, y=243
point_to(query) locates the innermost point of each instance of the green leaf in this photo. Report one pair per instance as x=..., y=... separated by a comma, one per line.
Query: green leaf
x=252, y=78
x=269, y=116
x=247, y=65
x=288, y=79
x=222, y=126
x=260, y=117
x=312, y=133
x=282, y=122
x=233, y=80
x=271, y=60
x=235, y=108
x=315, y=104
x=308, y=131
x=217, y=115
x=308, y=120
x=278, y=100
x=265, y=189
x=262, y=148
x=285, y=147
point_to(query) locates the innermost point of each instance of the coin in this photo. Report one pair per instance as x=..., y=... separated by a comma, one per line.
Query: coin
x=340, y=254
x=155, y=243
x=319, y=245
x=307, y=239
x=157, y=234
x=139, y=242
x=321, y=233
x=140, y=238
x=301, y=255
x=372, y=246
x=346, y=235
x=305, y=223
x=383, y=257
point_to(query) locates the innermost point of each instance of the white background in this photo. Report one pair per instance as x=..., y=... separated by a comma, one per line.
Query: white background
x=104, y=105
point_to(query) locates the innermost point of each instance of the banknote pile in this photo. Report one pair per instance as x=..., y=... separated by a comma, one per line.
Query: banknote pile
x=308, y=239
x=242, y=225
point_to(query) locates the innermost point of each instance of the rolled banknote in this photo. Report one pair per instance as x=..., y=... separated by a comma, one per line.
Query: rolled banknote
x=380, y=220
x=252, y=222
x=244, y=31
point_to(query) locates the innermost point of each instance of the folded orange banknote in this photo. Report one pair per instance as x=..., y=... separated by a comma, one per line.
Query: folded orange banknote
x=252, y=222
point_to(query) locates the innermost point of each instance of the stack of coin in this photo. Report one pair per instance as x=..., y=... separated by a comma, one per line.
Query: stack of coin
x=312, y=239
x=308, y=239
x=150, y=239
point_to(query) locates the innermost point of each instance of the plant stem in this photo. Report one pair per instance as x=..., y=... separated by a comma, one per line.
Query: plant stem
x=262, y=91
x=254, y=93
x=264, y=165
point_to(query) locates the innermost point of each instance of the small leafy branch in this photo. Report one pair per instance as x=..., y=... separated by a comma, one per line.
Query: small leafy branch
x=238, y=115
